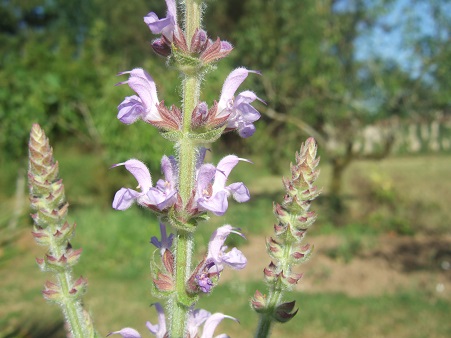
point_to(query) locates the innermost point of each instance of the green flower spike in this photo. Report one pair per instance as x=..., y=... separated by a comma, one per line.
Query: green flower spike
x=285, y=248
x=51, y=230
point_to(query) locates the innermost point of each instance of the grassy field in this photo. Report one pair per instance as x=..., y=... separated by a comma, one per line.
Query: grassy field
x=403, y=196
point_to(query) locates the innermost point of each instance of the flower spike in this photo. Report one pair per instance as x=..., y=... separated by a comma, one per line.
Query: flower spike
x=286, y=248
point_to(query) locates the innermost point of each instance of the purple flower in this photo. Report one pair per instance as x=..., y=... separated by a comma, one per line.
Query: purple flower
x=164, y=26
x=159, y=330
x=126, y=332
x=165, y=243
x=211, y=192
x=200, y=316
x=160, y=197
x=143, y=106
x=195, y=319
x=241, y=113
x=204, y=282
x=217, y=250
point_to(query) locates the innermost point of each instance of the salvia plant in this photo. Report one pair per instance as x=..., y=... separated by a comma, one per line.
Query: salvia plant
x=183, y=198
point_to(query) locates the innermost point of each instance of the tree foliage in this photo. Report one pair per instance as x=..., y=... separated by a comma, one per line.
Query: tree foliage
x=58, y=61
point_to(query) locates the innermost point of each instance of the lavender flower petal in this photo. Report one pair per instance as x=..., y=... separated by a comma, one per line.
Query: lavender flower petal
x=239, y=192
x=140, y=171
x=144, y=105
x=240, y=113
x=130, y=110
x=159, y=330
x=204, y=282
x=124, y=198
x=213, y=196
x=224, y=168
x=217, y=204
x=231, y=84
x=164, y=26
x=162, y=196
x=212, y=322
x=164, y=193
x=216, y=250
x=196, y=319
x=235, y=259
x=166, y=241
x=126, y=333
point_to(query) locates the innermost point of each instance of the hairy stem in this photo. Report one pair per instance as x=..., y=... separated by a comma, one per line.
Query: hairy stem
x=193, y=17
x=264, y=326
x=181, y=301
x=73, y=311
x=186, y=149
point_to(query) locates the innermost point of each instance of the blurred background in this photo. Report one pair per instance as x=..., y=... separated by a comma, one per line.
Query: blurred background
x=369, y=79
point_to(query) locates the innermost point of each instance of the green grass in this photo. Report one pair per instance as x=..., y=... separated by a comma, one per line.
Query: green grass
x=407, y=314
x=116, y=242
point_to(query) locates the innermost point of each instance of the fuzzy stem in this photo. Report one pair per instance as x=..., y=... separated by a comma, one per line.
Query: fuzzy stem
x=193, y=17
x=181, y=301
x=265, y=321
x=187, y=157
x=264, y=326
x=186, y=148
x=72, y=309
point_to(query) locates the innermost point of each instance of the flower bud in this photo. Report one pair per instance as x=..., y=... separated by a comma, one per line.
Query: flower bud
x=79, y=287
x=51, y=292
x=163, y=282
x=284, y=312
x=258, y=302
x=199, y=41
x=161, y=47
x=290, y=278
x=216, y=51
x=274, y=248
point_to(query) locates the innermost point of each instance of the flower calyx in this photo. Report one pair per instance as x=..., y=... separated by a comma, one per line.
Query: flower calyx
x=284, y=312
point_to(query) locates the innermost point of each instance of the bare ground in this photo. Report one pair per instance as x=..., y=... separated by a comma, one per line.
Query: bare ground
x=386, y=265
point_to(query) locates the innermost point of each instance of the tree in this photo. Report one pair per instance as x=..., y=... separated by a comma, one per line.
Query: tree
x=315, y=79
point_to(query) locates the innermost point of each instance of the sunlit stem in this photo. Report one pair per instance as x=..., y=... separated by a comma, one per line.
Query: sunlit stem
x=72, y=309
x=181, y=300
x=276, y=291
x=193, y=17
x=186, y=152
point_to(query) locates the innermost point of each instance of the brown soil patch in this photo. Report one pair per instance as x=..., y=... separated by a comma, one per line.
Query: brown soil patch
x=386, y=265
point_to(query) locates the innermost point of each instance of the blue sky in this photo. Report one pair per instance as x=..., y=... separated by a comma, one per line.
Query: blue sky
x=390, y=43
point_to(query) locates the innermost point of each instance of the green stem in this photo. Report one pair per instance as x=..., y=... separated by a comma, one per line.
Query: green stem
x=186, y=153
x=72, y=309
x=264, y=326
x=187, y=158
x=181, y=301
x=274, y=296
x=193, y=17
x=191, y=93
